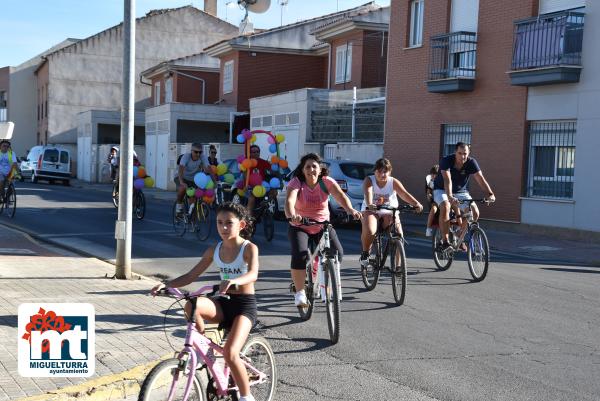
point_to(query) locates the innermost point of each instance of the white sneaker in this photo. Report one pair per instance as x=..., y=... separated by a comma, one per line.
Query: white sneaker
x=300, y=299
x=429, y=232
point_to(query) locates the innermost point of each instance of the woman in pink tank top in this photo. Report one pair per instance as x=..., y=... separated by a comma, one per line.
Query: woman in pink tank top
x=308, y=196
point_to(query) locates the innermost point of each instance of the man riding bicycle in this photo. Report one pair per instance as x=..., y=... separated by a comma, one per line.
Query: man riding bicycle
x=190, y=164
x=451, y=187
x=8, y=161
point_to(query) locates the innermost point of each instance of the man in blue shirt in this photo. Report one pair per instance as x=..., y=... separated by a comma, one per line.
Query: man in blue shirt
x=451, y=186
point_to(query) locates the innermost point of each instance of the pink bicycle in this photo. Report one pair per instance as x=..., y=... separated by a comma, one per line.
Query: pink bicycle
x=199, y=372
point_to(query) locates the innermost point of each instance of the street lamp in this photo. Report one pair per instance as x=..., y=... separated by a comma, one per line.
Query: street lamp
x=282, y=3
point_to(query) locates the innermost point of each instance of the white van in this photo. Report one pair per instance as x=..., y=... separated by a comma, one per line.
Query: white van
x=47, y=163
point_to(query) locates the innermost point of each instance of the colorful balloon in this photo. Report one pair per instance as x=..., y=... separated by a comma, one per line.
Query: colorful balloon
x=141, y=172
x=229, y=178
x=240, y=158
x=253, y=163
x=283, y=163
x=135, y=171
x=247, y=164
x=266, y=185
x=190, y=192
x=270, y=140
x=240, y=138
x=241, y=192
x=274, y=159
x=279, y=138
x=138, y=183
x=149, y=182
x=273, y=148
x=201, y=179
x=274, y=167
x=274, y=182
x=239, y=184
x=210, y=184
x=221, y=169
x=253, y=139
x=259, y=191
x=247, y=133
x=199, y=193
x=242, y=167
x=210, y=193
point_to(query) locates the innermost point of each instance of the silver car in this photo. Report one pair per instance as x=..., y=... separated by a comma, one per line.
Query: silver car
x=349, y=175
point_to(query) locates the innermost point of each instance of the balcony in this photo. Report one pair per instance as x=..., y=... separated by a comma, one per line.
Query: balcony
x=547, y=49
x=452, y=63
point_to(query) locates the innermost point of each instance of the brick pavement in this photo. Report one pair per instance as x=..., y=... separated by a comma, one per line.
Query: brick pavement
x=129, y=324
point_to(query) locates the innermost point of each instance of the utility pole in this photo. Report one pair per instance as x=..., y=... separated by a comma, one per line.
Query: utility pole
x=124, y=222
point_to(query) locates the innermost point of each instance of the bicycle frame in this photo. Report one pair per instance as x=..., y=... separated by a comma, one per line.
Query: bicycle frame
x=323, y=250
x=470, y=222
x=200, y=348
x=391, y=231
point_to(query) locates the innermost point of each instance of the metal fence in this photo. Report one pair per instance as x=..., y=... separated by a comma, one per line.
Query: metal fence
x=337, y=117
x=453, y=55
x=551, y=168
x=548, y=40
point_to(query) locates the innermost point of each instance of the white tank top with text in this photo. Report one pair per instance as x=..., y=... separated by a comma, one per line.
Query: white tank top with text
x=234, y=269
x=383, y=196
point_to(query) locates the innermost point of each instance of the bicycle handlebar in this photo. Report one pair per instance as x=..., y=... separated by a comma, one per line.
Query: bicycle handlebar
x=209, y=290
x=393, y=209
x=482, y=200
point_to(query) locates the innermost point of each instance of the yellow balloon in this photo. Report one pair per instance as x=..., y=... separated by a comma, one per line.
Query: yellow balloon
x=279, y=138
x=253, y=139
x=221, y=169
x=259, y=191
x=241, y=192
x=149, y=182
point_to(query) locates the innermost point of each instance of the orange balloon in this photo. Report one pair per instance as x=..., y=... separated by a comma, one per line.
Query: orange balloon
x=274, y=159
x=213, y=169
x=254, y=162
x=141, y=172
x=283, y=163
x=247, y=163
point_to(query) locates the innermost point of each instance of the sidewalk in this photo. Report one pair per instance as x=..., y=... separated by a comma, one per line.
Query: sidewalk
x=129, y=324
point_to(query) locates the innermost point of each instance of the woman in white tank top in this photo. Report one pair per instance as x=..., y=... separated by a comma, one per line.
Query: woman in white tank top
x=381, y=189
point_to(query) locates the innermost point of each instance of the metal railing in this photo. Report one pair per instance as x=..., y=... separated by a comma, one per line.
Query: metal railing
x=548, y=40
x=453, y=55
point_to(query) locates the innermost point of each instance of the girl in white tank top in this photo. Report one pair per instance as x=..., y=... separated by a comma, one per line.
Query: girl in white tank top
x=385, y=195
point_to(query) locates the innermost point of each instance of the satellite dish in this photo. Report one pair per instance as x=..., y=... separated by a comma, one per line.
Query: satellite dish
x=255, y=6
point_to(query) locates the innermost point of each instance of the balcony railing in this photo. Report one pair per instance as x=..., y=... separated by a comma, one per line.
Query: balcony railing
x=547, y=49
x=452, y=63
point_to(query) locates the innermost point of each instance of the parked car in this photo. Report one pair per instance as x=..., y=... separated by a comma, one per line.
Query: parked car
x=349, y=175
x=52, y=163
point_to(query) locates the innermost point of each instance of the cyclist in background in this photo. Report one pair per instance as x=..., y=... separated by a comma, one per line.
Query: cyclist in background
x=451, y=186
x=8, y=161
x=237, y=260
x=308, y=196
x=263, y=168
x=189, y=164
x=381, y=189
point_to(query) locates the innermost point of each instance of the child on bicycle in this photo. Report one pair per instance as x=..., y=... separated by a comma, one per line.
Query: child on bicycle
x=381, y=189
x=237, y=260
x=429, y=180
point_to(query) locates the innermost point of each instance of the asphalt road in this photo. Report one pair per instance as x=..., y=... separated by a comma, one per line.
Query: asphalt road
x=529, y=331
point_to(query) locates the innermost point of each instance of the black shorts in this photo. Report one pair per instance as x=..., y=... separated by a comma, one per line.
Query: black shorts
x=236, y=305
x=299, y=244
x=190, y=184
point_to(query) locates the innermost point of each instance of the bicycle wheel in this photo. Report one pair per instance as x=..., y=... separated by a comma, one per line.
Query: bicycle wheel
x=115, y=194
x=261, y=356
x=139, y=205
x=332, y=301
x=10, y=202
x=478, y=254
x=166, y=376
x=309, y=286
x=203, y=224
x=268, y=224
x=370, y=273
x=442, y=260
x=398, y=268
x=179, y=220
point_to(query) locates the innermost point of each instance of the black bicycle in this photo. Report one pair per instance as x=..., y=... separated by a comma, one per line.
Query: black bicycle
x=478, y=248
x=322, y=280
x=194, y=217
x=8, y=199
x=139, y=200
x=387, y=252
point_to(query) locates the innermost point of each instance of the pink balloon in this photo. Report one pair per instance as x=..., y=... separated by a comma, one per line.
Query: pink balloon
x=271, y=140
x=247, y=133
x=240, y=158
x=200, y=193
x=239, y=184
x=209, y=192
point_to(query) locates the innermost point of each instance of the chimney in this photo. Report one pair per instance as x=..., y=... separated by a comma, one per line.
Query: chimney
x=210, y=7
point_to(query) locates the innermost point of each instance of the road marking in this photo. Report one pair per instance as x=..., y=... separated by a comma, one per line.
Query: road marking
x=540, y=248
x=17, y=251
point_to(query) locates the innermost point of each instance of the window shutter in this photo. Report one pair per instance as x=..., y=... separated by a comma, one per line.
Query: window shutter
x=348, y=60
x=464, y=15
x=340, y=53
x=552, y=6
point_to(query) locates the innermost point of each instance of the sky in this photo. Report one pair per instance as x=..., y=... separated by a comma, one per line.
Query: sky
x=29, y=27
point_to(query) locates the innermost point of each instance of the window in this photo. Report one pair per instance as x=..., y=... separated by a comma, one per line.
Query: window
x=357, y=171
x=157, y=93
x=64, y=157
x=454, y=133
x=551, y=159
x=343, y=63
x=267, y=121
x=416, y=23
x=228, y=77
x=256, y=122
x=169, y=90
x=51, y=155
x=287, y=119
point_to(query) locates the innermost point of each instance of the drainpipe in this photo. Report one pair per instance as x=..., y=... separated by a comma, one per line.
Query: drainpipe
x=192, y=77
x=353, y=114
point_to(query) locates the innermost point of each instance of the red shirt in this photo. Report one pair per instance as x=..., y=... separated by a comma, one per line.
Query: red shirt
x=262, y=168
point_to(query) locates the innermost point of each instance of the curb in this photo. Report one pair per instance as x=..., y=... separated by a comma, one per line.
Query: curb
x=113, y=387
